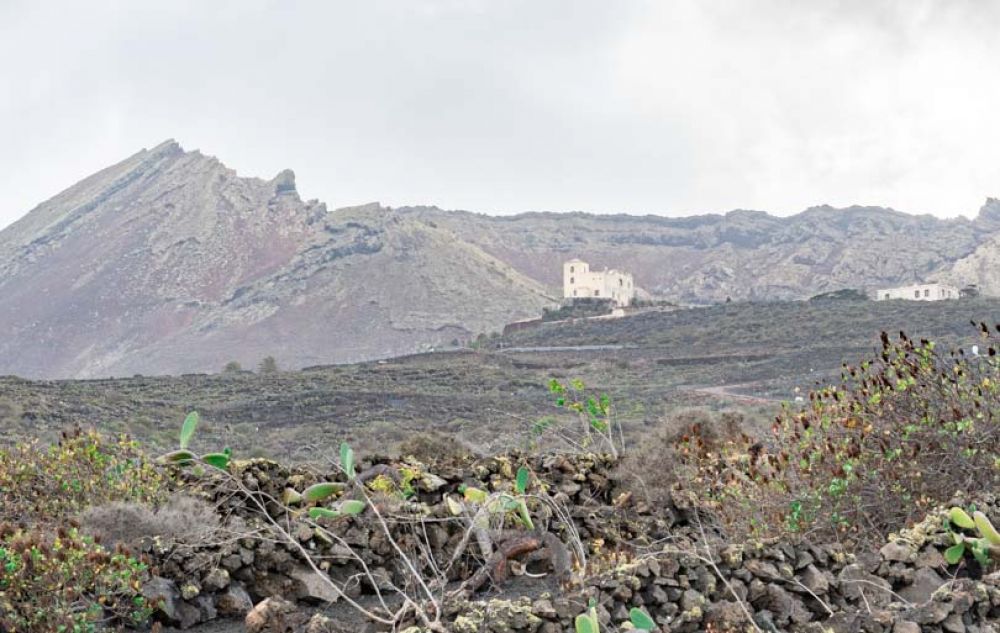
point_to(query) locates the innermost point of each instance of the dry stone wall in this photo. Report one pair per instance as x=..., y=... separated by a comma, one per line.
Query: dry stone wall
x=657, y=560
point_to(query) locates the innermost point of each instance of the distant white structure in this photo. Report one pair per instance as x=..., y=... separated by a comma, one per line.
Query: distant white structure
x=918, y=292
x=579, y=282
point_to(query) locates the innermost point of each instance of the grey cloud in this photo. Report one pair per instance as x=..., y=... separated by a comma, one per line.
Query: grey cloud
x=663, y=107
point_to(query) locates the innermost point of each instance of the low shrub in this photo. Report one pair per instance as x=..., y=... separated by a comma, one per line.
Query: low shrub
x=649, y=468
x=52, y=576
x=182, y=518
x=67, y=582
x=49, y=483
x=900, y=434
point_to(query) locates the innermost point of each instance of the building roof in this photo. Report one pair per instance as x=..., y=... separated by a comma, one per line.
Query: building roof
x=919, y=285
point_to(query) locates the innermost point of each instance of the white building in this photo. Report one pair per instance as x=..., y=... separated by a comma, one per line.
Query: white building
x=918, y=292
x=580, y=282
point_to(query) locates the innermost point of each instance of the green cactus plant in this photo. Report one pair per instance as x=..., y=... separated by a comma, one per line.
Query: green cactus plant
x=350, y=507
x=181, y=456
x=984, y=548
x=587, y=622
x=323, y=490
x=521, y=483
x=188, y=428
x=347, y=460
x=184, y=457
x=498, y=504
x=641, y=620
x=218, y=460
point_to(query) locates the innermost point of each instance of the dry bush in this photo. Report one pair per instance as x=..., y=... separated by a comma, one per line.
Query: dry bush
x=899, y=435
x=649, y=469
x=183, y=518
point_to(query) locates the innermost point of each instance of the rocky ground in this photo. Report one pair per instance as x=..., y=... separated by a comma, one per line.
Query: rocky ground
x=663, y=558
x=490, y=398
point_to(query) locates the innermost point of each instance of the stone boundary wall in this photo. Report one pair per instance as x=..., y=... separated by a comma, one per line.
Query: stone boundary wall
x=661, y=566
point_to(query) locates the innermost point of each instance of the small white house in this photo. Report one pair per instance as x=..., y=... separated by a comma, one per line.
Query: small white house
x=918, y=292
x=579, y=282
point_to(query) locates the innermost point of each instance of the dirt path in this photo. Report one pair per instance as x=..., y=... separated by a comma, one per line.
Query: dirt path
x=728, y=391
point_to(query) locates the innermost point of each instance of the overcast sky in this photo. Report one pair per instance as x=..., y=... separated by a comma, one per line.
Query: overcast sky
x=502, y=106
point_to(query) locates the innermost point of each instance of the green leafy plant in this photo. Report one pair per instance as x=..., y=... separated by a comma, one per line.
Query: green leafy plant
x=588, y=622
x=184, y=457
x=323, y=490
x=188, y=428
x=66, y=582
x=895, y=438
x=46, y=484
x=347, y=460
x=218, y=460
x=499, y=503
x=349, y=507
x=521, y=483
x=641, y=620
x=984, y=547
x=594, y=412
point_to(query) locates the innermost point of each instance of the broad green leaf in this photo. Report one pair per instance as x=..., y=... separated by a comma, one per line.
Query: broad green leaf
x=475, y=495
x=954, y=553
x=961, y=518
x=585, y=624
x=323, y=513
x=187, y=429
x=182, y=457
x=218, y=460
x=522, y=479
x=986, y=528
x=641, y=620
x=322, y=490
x=352, y=506
x=347, y=459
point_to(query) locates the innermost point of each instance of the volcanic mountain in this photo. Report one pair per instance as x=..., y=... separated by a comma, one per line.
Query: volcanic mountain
x=169, y=262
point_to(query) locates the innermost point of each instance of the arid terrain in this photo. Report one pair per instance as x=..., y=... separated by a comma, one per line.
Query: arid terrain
x=655, y=365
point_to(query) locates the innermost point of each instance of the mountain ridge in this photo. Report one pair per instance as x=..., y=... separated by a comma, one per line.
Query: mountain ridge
x=169, y=261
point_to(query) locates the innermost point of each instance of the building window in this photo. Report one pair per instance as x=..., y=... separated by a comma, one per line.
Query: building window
x=597, y=293
x=571, y=269
x=927, y=292
x=574, y=293
x=887, y=295
x=572, y=280
x=620, y=282
x=916, y=294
